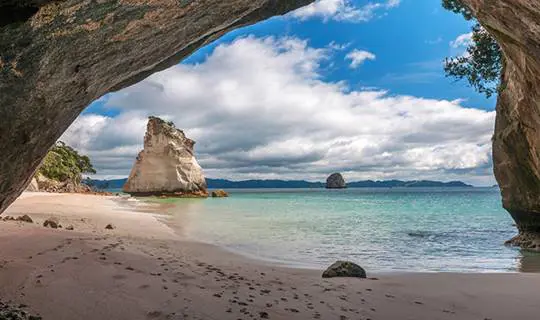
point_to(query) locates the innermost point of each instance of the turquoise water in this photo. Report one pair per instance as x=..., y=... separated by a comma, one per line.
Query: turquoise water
x=384, y=230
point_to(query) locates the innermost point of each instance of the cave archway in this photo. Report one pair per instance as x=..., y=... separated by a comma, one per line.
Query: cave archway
x=58, y=57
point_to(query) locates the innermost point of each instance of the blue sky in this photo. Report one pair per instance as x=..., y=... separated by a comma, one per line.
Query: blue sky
x=410, y=41
x=402, y=45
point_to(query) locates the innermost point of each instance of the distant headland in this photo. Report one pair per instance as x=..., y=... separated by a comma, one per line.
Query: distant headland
x=284, y=184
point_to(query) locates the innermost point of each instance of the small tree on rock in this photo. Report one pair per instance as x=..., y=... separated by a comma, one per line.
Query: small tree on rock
x=481, y=64
x=63, y=163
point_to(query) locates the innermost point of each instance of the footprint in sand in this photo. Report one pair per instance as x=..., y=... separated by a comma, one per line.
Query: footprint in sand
x=154, y=314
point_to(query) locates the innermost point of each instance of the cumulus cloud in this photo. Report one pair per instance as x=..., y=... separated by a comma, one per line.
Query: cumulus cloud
x=358, y=57
x=463, y=40
x=343, y=10
x=260, y=108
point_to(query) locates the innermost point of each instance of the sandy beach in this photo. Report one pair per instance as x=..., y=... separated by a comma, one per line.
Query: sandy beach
x=143, y=269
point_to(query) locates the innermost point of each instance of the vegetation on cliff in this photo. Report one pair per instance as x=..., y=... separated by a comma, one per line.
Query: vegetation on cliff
x=63, y=163
x=481, y=64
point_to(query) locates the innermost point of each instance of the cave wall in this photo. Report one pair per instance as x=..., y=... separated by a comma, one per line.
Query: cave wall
x=516, y=141
x=56, y=57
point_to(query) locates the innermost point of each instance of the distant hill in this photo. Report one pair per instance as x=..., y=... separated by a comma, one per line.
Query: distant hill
x=407, y=184
x=105, y=184
x=263, y=184
x=267, y=184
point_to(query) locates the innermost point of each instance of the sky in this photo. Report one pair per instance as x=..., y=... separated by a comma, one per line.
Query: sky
x=351, y=86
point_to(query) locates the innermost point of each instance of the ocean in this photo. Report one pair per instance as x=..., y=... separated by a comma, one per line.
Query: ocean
x=383, y=230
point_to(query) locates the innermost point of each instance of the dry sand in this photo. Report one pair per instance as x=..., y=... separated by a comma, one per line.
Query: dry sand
x=144, y=270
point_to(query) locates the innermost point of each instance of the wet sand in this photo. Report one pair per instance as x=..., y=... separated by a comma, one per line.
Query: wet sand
x=142, y=269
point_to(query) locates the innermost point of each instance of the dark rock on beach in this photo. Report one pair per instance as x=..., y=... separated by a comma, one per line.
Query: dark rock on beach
x=9, y=312
x=25, y=218
x=344, y=269
x=51, y=223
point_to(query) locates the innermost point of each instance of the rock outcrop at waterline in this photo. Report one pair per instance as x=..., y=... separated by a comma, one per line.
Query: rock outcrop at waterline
x=56, y=57
x=344, y=269
x=335, y=181
x=167, y=165
x=516, y=142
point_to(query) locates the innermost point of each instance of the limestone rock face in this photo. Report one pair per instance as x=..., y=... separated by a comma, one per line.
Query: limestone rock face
x=45, y=184
x=56, y=57
x=516, y=142
x=335, y=181
x=33, y=186
x=167, y=165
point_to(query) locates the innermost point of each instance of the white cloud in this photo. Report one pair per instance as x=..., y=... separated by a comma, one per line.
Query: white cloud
x=358, y=57
x=462, y=40
x=259, y=108
x=343, y=10
x=437, y=40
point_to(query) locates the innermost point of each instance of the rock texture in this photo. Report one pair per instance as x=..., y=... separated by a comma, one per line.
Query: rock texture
x=516, y=142
x=15, y=312
x=335, y=181
x=344, y=269
x=51, y=223
x=219, y=194
x=25, y=218
x=167, y=165
x=33, y=186
x=45, y=184
x=56, y=57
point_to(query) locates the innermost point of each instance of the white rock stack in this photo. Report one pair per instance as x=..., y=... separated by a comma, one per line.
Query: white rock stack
x=166, y=166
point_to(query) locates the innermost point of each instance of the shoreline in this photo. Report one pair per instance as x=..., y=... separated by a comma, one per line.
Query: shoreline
x=204, y=220
x=144, y=270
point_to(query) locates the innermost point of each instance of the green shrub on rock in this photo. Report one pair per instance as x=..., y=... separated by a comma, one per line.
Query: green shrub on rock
x=63, y=163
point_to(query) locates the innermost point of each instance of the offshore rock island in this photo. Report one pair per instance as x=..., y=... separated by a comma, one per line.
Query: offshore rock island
x=166, y=166
x=335, y=181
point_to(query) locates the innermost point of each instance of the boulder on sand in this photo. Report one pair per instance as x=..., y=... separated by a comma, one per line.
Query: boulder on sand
x=25, y=218
x=51, y=223
x=344, y=269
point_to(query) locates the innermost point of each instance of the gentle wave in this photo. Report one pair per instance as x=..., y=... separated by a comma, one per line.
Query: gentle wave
x=457, y=230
